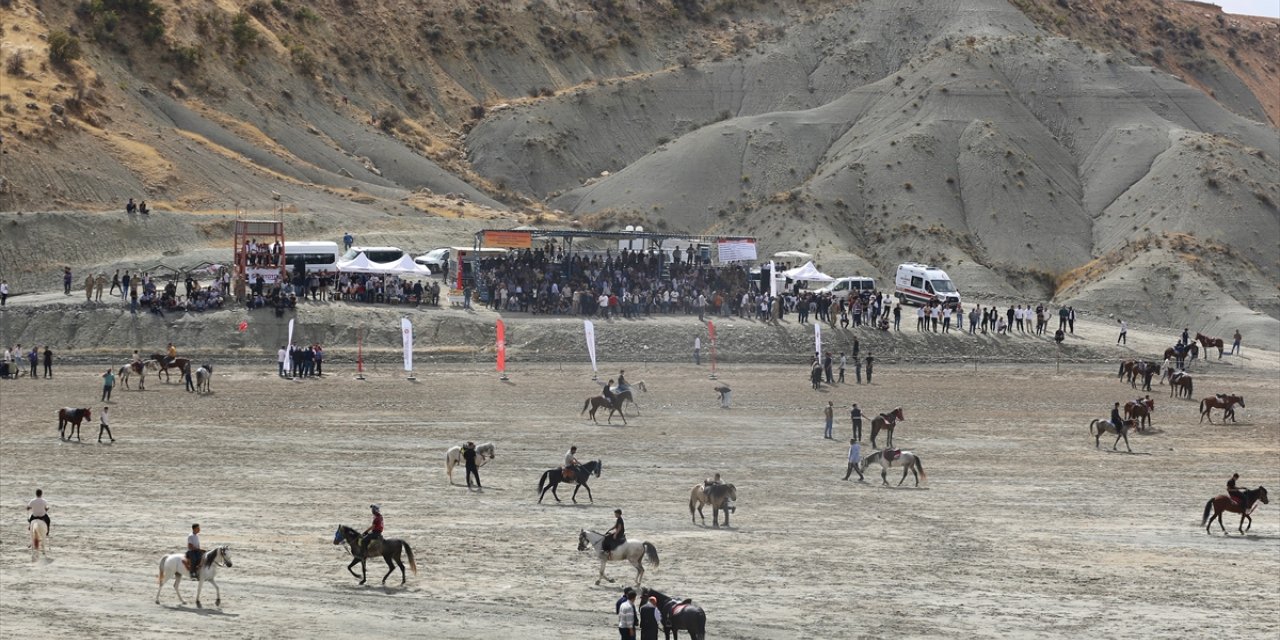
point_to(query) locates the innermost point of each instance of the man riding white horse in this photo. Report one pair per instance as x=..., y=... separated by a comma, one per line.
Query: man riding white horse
x=194, y=553
x=39, y=508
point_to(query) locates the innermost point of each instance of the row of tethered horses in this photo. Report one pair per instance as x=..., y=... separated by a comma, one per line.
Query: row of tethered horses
x=1137, y=413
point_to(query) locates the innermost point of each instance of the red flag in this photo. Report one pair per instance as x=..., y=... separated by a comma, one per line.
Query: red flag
x=243, y=326
x=711, y=332
x=502, y=346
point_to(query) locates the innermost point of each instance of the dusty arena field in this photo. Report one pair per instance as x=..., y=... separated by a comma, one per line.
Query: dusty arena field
x=1023, y=530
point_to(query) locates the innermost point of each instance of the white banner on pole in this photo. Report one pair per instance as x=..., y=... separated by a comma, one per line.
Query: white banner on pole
x=773, y=282
x=736, y=250
x=288, y=351
x=590, y=331
x=406, y=330
x=817, y=339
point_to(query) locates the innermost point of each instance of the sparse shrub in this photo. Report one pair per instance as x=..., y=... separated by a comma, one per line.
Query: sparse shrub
x=16, y=65
x=187, y=58
x=389, y=118
x=306, y=16
x=63, y=47
x=242, y=32
x=685, y=60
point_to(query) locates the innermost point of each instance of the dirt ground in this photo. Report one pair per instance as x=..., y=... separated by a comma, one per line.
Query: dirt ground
x=1023, y=529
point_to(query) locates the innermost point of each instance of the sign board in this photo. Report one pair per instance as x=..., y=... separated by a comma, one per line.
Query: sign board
x=508, y=239
x=736, y=250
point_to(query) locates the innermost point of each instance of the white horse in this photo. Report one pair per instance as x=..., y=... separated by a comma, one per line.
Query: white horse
x=453, y=457
x=171, y=566
x=625, y=395
x=1099, y=427
x=896, y=458
x=39, y=536
x=628, y=551
x=204, y=376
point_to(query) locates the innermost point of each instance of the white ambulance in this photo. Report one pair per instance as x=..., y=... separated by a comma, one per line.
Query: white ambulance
x=918, y=284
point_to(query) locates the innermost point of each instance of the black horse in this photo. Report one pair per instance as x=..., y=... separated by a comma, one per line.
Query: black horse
x=580, y=475
x=678, y=615
x=388, y=548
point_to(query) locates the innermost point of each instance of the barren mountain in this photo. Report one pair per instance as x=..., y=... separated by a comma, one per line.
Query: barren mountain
x=1034, y=148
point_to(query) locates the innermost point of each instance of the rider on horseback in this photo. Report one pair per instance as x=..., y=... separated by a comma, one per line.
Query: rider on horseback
x=570, y=463
x=608, y=392
x=374, y=531
x=171, y=354
x=39, y=509
x=622, y=382
x=1115, y=417
x=615, y=536
x=194, y=552
x=1235, y=493
x=711, y=482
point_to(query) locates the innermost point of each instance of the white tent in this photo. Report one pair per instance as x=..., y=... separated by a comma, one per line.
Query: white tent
x=788, y=255
x=358, y=264
x=808, y=273
x=405, y=266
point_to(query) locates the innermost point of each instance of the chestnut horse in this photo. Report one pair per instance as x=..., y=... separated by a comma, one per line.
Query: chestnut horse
x=1224, y=401
x=69, y=421
x=1249, y=501
x=885, y=421
x=163, y=363
x=1180, y=384
x=595, y=403
x=1206, y=342
x=1140, y=410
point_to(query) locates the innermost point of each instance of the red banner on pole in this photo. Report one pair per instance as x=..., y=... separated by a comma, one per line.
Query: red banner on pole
x=711, y=333
x=359, y=350
x=502, y=347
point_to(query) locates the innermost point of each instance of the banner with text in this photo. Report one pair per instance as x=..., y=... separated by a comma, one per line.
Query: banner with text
x=508, y=239
x=817, y=339
x=502, y=347
x=406, y=330
x=736, y=250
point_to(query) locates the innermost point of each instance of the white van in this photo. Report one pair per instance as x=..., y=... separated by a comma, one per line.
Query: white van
x=917, y=283
x=844, y=287
x=436, y=259
x=316, y=255
x=380, y=255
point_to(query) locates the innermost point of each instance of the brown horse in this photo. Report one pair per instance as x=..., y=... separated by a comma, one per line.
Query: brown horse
x=69, y=421
x=595, y=402
x=1223, y=401
x=1126, y=368
x=164, y=364
x=1140, y=411
x=1249, y=499
x=1180, y=384
x=886, y=421
x=1206, y=342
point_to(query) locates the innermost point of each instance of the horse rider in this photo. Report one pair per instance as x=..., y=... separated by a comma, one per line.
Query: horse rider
x=39, y=508
x=137, y=360
x=570, y=463
x=171, y=354
x=194, y=552
x=622, y=382
x=374, y=531
x=608, y=392
x=469, y=455
x=1235, y=493
x=711, y=482
x=616, y=535
x=1115, y=417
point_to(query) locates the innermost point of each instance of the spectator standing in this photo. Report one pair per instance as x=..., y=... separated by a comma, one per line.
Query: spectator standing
x=88, y=288
x=1124, y=331
x=829, y=414
x=857, y=368
x=897, y=317
x=347, y=241
x=48, y=362
x=1071, y=320
x=108, y=383
x=855, y=414
x=115, y=284
x=855, y=457
x=34, y=358
x=870, y=361
x=697, y=350
x=469, y=456
x=4, y=292
x=843, y=362
x=186, y=378
x=99, y=283
x=1235, y=343
x=627, y=616
x=281, y=356
x=66, y=281
x=650, y=619
x=124, y=286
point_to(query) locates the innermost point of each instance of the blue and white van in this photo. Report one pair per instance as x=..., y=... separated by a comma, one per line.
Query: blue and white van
x=920, y=284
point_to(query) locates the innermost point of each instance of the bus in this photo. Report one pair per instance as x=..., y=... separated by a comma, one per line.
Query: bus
x=380, y=255
x=316, y=255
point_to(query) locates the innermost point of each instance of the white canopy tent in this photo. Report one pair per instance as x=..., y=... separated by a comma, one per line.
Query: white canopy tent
x=808, y=273
x=360, y=264
x=792, y=255
x=405, y=266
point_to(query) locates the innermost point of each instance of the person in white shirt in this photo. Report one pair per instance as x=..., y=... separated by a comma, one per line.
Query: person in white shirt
x=194, y=552
x=855, y=457
x=1124, y=330
x=697, y=350
x=4, y=292
x=281, y=356
x=39, y=508
x=104, y=424
x=627, y=617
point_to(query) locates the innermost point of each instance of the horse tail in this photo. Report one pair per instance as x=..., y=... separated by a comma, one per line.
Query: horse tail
x=920, y=467
x=1191, y=387
x=692, y=500
x=1202, y=407
x=651, y=552
x=584, y=406
x=1092, y=429
x=1208, y=506
x=543, y=480
x=1121, y=374
x=160, y=578
x=413, y=566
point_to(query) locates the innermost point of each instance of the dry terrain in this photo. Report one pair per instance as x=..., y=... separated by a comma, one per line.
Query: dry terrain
x=1022, y=530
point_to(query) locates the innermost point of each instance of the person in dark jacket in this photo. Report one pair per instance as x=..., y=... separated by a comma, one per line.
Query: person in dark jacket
x=650, y=619
x=469, y=456
x=1115, y=416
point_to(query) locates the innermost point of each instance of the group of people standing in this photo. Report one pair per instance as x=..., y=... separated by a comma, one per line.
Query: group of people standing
x=821, y=365
x=11, y=362
x=301, y=361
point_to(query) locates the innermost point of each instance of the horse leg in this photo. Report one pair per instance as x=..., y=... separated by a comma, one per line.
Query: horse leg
x=639, y=571
x=589, y=496
x=904, y=477
x=199, y=586
x=448, y=470
x=217, y=593
x=1219, y=515
x=874, y=431
x=1126, y=441
x=715, y=516
x=726, y=517
x=350, y=570
x=574, y=497
x=391, y=567
x=890, y=436
x=884, y=476
x=603, y=559
x=401, y=565
x=176, y=579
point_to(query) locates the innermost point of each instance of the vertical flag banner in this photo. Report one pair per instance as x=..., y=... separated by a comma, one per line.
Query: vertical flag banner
x=360, y=350
x=817, y=338
x=711, y=333
x=502, y=347
x=590, y=331
x=406, y=330
x=288, y=353
x=773, y=283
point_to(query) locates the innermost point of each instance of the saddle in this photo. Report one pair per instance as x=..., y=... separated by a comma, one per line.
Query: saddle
x=674, y=608
x=567, y=473
x=892, y=454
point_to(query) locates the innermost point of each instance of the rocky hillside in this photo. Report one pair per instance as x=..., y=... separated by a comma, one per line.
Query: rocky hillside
x=1035, y=148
